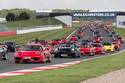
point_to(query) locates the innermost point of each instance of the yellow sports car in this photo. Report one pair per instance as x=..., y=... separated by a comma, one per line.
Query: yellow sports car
x=108, y=47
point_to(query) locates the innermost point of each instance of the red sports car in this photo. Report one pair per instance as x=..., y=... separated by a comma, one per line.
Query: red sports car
x=32, y=53
x=86, y=50
x=98, y=48
x=46, y=44
x=97, y=39
x=63, y=41
x=74, y=38
x=117, y=44
x=80, y=33
x=121, y=39
x=55, y=41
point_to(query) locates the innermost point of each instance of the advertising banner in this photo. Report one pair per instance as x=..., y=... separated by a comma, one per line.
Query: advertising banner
x=97, y=14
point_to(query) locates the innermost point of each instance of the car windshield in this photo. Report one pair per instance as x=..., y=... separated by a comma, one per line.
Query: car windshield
x=85, y=46
x=9, y=43
x=96, y=32
x=97, y=45
x=119, y=38
x=66, y=45
x=106, y=44
x=31, y=48
x=85, y=42
x=56, y=39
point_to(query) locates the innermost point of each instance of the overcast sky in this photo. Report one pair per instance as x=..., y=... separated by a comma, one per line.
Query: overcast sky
x=74, y=4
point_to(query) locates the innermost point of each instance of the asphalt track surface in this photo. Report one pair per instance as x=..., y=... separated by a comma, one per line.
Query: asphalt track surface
x=9, y=65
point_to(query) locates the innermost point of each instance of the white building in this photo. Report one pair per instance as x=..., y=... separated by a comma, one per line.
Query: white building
x=2, y=20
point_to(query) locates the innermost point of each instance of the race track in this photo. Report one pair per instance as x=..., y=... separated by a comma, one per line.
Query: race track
x=9, y=65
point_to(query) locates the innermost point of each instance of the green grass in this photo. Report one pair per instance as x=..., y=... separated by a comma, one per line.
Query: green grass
x=32, y=23
x=76, y=24
x=73, y=74
x=121, y=31
x=46, y=35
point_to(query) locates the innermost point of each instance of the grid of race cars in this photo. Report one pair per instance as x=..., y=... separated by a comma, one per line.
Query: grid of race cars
x=102, y=40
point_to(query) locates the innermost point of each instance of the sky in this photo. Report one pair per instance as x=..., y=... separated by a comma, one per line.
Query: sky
x=62, y=4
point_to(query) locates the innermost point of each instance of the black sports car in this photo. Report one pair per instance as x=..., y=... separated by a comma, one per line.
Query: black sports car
x=11, y=46
x=68, y=49
x=96, y=33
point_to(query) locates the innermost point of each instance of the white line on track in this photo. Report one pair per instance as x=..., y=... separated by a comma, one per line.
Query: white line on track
x=28, y=70
x=71, y=34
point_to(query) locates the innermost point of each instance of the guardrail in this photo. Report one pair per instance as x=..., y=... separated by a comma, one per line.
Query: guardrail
x=8, y=33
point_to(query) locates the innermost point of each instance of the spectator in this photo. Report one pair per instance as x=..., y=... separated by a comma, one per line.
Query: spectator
x=36, y=40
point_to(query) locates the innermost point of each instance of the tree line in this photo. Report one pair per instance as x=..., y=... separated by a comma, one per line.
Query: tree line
x=22, y=16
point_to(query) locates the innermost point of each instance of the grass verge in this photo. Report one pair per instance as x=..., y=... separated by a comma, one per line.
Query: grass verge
x=46, y=35
x=121, y=31
x=73, y=74
x=32, y=23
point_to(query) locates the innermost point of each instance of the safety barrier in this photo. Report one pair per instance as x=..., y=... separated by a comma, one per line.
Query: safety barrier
x=39, y=29
x=8, y=33
x=45, y=28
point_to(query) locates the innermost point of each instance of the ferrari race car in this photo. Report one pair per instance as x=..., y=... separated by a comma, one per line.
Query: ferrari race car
x=119, y=38
x=73, y=38
x=64, y=41
x=32, y=53
x=68, y=49
x=46, y=44
x=79, y=34
x=109, y=47
x=97, y=39
x=55, y=42
x=98, y=48
x=58, y=41
x=87, y=49
x=117, y=44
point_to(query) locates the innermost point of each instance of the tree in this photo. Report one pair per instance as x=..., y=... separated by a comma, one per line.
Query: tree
x=24, y=16
x=10, y=17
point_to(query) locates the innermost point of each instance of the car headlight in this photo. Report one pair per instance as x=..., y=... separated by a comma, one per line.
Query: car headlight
x=93, y=48
x=72, y=49
x=56, y=49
